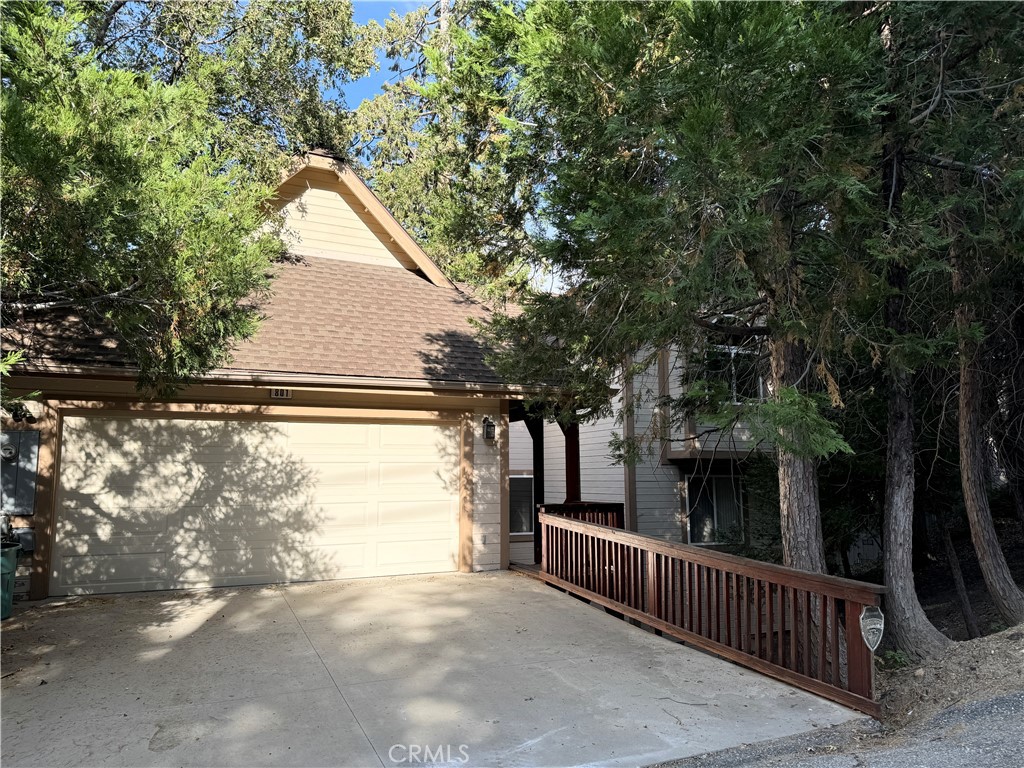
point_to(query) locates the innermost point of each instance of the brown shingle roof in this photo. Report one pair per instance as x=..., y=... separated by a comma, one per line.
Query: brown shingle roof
x=325, y=317
x=329, y=316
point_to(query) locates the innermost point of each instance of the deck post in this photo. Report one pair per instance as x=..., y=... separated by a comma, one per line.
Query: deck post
x=535, y=425
x=572, y=462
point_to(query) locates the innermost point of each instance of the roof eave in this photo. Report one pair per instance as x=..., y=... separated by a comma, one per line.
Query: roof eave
x=284, y=379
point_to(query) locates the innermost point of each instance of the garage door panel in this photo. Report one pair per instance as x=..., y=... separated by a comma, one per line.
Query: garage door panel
x=420, y=552
x=430, y=513
x=111, y=571
x=411, y=438
x=407, y=473
x=344, y=516
x=164, y=503
x=88, y=521
x=343, y=474
x=304, y=434
x=338, y=559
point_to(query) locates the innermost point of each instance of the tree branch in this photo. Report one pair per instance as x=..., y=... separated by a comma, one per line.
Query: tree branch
x=732, y=330
x=100, y=35
x=64, y=302
x=937, y=97
x=949, y=164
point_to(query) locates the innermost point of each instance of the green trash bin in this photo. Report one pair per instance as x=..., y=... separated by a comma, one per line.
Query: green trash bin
x=9, y=550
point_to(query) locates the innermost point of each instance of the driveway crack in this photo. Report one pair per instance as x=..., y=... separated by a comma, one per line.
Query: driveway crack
x=336, y=686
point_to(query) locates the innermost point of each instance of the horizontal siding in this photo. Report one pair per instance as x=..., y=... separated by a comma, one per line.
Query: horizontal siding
x=520, y=448
x=658, y=509
x=487, y=492
x=737, y=440
x=521, y=552
x=322, y=218
x=601, y=479
x=554, y=464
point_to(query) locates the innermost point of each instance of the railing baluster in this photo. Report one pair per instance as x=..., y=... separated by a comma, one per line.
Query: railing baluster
x=808, y=622
x=780, y=619
x=688, y=612
x=822, y=636
x=729, y=599
x=792, y=627
x=745, y=631
x=837, y=678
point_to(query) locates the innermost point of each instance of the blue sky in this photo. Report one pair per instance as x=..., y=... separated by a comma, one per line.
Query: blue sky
x=362, y=12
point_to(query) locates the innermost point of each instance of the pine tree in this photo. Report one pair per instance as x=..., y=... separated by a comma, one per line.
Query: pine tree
x=141, y=144
x=701, y=185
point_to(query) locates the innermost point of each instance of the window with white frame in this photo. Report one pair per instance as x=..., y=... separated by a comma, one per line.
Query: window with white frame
x=714, y=508
x=520, y=518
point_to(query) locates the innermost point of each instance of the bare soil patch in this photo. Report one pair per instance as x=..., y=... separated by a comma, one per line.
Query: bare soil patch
x=971, y=670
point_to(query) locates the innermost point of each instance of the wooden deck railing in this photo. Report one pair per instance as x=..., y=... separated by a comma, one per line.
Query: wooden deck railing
x=800, y=627
x=596, y=512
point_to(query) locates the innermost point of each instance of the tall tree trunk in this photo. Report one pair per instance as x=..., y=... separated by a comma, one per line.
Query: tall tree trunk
x=799, y=509
x=1005, y=593
x=910, y=629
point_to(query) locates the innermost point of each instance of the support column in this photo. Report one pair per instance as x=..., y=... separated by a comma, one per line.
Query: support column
x=535, y=425
x=572, y=462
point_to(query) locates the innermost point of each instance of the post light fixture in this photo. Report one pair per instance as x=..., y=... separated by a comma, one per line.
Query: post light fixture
x=489, y=429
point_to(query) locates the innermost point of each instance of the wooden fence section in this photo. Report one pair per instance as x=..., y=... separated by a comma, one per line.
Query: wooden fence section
x=597, y=512
x=800, y=627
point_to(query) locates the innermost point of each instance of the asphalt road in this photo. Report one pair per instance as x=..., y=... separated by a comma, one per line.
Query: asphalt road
x=984, y=734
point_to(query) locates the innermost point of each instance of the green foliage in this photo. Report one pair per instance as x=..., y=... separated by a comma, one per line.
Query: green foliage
x=702, y=175
x=141, y=145
x=272, y=71
x=892, y=660
x=119, y=204
x=12, y=406
x=428, y=153
x=794, y=421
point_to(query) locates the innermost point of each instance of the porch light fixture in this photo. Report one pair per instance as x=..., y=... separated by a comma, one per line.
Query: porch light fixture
x=489, y=429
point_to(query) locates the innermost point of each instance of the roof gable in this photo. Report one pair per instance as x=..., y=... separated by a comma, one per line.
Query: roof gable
x=330, y=213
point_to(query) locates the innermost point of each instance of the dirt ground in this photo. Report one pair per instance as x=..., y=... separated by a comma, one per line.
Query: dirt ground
x=970, y=670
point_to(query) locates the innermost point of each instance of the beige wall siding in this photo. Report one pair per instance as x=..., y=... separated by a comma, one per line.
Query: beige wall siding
x=522, y=552
x=520, y=448
x=322, y=218
x=554, y=464
x=600, y=478
x=487, y=493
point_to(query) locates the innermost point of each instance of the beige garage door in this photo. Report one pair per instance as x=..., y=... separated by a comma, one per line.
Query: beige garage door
x=169, y=503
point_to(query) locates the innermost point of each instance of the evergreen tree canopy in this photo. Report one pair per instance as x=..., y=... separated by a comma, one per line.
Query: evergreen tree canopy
x=703, y=176
x=141, y=144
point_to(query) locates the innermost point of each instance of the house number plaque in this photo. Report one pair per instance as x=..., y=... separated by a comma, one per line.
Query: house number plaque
x=872, y=625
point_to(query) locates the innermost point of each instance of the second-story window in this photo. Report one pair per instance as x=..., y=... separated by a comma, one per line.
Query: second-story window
x=737, y=367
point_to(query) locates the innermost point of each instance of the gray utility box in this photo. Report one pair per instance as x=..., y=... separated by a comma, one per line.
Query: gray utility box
x=19, y=457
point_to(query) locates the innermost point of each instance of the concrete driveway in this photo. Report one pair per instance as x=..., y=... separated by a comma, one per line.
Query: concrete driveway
x=453, y=669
